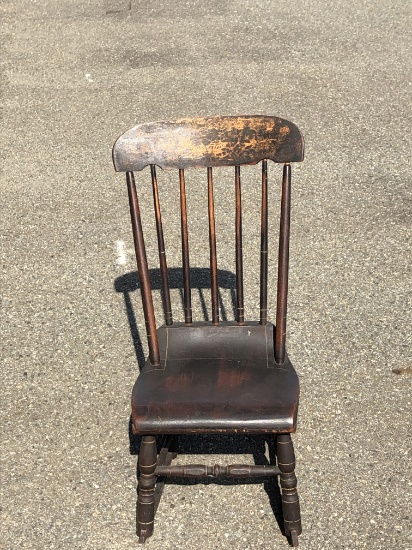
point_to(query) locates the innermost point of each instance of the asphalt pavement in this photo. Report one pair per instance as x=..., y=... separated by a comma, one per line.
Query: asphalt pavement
x=78, y=74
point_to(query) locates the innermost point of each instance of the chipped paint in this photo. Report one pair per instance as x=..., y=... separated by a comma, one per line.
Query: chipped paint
x=208, y=142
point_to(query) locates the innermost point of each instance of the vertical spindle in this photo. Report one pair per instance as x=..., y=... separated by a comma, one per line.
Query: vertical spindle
x=212, y=245
x=239, y=251
x=145, y=288
x=187, y=297
x=283, y=266
x=264, y=247
x=167, y=307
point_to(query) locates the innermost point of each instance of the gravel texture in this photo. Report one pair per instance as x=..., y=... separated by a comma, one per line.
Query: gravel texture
x=78, y=74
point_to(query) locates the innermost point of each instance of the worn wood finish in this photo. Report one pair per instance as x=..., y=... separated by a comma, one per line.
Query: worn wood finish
x=213, y=377
x=240, y=307
x=187, y=296
x=212, y=245
x=283, y=266
x=264, y=247
x=143, y=269
x=216, y=379
x=208, y=142
x=167, y=308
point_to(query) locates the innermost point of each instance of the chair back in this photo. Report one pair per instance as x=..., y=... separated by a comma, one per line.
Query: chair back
x=211, y=143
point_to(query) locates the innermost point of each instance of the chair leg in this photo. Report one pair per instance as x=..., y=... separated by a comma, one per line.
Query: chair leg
x=288, y=483
x=174, y=447
x=146, y=488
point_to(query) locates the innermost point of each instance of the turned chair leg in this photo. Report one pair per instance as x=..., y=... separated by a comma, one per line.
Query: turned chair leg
x=146, y=488
x=288, y=483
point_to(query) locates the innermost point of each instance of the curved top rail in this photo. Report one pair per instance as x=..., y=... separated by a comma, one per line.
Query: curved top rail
x=208, y=142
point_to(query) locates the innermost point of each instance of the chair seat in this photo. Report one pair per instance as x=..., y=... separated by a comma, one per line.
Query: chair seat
x=216, y=379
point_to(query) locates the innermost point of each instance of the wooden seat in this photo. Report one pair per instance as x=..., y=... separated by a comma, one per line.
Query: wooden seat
x=213, y=377
x=216, y=378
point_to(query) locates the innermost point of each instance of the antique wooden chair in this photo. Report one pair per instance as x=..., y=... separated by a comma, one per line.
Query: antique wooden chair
x=231, y=377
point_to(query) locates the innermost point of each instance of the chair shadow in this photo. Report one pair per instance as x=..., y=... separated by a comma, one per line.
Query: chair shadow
x=200, y=281
x=203, y=444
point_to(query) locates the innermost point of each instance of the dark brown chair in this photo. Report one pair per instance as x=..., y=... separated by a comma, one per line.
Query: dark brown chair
x=231, y=377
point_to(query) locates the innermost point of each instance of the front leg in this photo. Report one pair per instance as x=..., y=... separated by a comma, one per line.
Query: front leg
x=146, y=487
x=288, y=482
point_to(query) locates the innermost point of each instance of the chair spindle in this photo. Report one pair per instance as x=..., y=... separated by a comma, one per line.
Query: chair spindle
x=187, y=297
x=239, y=251
x=212, y=244
x=145, y=288
x=283, y=266
x=264, y=247
x=167, y=307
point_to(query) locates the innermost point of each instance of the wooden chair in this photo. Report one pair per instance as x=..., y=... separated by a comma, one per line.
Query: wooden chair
x=231, y=377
